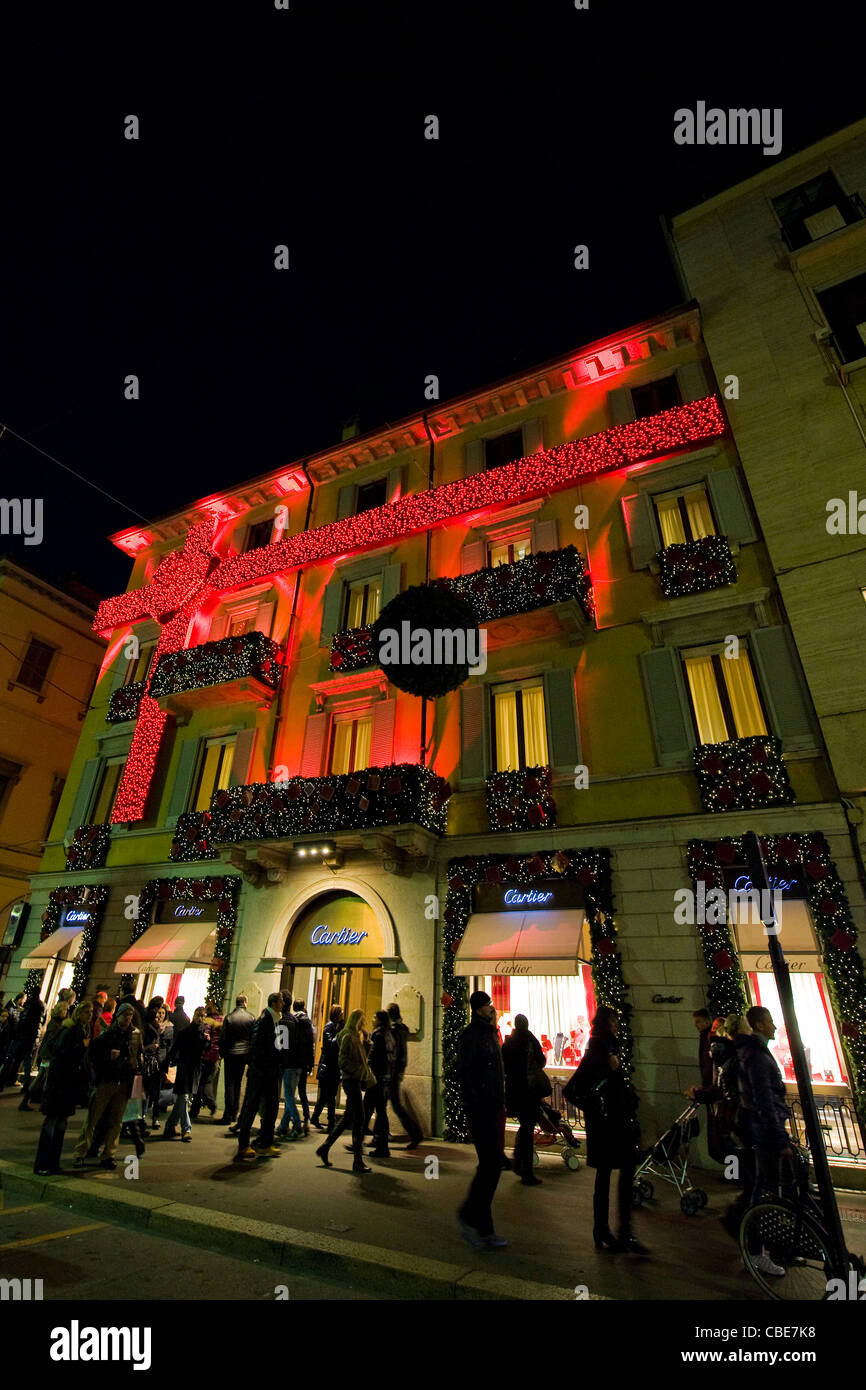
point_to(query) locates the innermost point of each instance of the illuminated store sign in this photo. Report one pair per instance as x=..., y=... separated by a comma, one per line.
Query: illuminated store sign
x=321, y=936
x=545, y=895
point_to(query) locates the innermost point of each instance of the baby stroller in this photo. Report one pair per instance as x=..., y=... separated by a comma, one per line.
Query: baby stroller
x=668, y=1160
x=553, y=1130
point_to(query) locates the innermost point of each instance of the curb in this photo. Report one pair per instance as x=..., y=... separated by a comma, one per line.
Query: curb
x=389, y=1271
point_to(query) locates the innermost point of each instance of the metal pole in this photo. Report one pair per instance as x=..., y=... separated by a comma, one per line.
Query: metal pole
x=758, y=872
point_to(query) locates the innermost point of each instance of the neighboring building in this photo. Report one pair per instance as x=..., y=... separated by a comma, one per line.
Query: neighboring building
x=49, y=661
x=594, y=514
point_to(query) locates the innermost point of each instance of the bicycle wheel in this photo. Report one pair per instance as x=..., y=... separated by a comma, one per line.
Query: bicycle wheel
x=794, y=1243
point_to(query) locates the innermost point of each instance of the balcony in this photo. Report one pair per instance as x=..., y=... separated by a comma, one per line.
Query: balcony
x=124, y=703
x=520, y=800
x=695, y=566
x=400, y=794
x=555, y=581
x=796, y=234
x=743, y=774
x=89, y=848
x=232, y=671
x=192, y=838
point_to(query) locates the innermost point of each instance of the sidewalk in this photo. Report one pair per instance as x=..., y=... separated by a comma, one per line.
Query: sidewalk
x=396, y=1221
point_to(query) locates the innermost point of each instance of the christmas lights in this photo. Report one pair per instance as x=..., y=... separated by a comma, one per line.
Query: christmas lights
x=400, y=794
x=224, y=890
x=131, y=799
x=89, y=848
x=834, y=927
x=591, y=868
x=231, y=658
x=520, y=800
x=192, y=838
x=124, y=702
x=694, y=566
x=742, y=774
x=90, y=898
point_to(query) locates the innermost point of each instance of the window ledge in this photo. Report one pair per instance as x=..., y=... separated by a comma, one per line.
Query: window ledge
x=18, y=685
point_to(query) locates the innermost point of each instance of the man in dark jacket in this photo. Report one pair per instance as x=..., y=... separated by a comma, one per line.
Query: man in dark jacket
x=177, y=1018
x=328, y=1073
x=289, y=1044
x=481, y=1079
x=307, y=1052
x=763, y=1103
x=383, y=1055
x=263, y=1082
x=114, y=1056
x=235, y=1037
x=401, y=1110
x=24, y=1043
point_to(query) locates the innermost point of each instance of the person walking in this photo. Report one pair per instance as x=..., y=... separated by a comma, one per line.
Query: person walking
x=481, y=1077
x=114, y=1057
x=288, y=1043
x=525, y=1078
x=25, y=1040
x=398, y=1103
x=328, y=1070
x=66, y=1086
x=306, y=1050
x=43, y=1056
x=235, y=1035
x=355, y=1077
x=609, y=1104
x=210, y=1060
x=382, y=1059
x=155, y=1052
x=186, y=1053
x=263, y=1083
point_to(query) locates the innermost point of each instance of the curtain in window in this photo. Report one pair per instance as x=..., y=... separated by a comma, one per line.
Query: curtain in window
x=557, y=1009
x=670, y=521
x=743, y=695
x=363, y=736
x=699, y=514
x=815, y=1028
x=505, y=705
x=534, y=727
x=705, y=699
x=374, y=598
x=498, y=555
x=225, y=769
x=356, y=607
x=342, y=746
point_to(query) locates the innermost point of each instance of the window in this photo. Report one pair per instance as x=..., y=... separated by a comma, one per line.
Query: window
x=655, y=396
x=34, y=667
x=9, y=774
x=507, y=551
x=684, y=516
x=106, y=791
x=137, y=669
x=351, y=736
x=363, y=599
x=519, y=727
x=503, y=448
x=370, y=495
x=215, y=768
x=239, y=623
x=259, y=534
x=814, y=209
x=844, y=307
x=57, y=785
x=724, y=697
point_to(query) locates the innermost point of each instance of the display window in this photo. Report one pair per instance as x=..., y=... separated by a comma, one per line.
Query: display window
x=815, y=1021
x=559, y=1008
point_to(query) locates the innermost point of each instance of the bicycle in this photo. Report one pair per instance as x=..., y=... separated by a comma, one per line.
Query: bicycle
x=791, y=1230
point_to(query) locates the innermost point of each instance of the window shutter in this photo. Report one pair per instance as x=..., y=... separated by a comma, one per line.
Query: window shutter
x=382, y=735
x=473, y=751
x=564, y=747
x=84, y=795
x=473, y=457
x=183, y=780
x=692, y=382
x=265, y=617
x=119, y=670
x=219, y=623
x=730, y=506
x=346, y=502
x=544, y=536
x=472, y=557
x=668, y=705
x=640, y=523
x=332, y=611
x=621, y=408
x=533, y=434
x=390, y=583
x=243, y=757
x=394, y=486
x=313, y=753
x=783, y=687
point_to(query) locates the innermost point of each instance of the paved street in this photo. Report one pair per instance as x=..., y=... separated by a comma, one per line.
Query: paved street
x=398, y=1208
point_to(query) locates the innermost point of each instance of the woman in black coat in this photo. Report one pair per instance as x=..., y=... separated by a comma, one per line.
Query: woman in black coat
x=186, y=1053
x=67, y=1086
x=328, y=1070
x=609, y=1105
x=522, y=1057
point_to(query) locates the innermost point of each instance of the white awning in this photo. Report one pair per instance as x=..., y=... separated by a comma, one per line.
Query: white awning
x=55, y=946
x=523, y=943
x=167, y=949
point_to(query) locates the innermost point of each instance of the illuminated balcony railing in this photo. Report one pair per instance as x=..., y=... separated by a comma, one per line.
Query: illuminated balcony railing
x=124, y=702
x=234, y=670
x=742, y=774
x=520, y=800
x=400, y=794
x=694, y=566
x=89, y=848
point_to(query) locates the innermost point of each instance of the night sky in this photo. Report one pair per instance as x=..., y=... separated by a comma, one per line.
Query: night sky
x=408, y=256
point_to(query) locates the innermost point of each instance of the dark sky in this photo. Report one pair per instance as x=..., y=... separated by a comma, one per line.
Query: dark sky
x=408, y=256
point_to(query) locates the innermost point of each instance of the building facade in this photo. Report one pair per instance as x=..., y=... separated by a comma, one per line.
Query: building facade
x=255, y=803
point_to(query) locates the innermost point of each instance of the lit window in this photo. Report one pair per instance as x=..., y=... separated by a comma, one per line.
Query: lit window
x=106, y=792
x=814, y=1015
x=363, y=601
x=506, y=552
x=137, y=669
x=350, y=743
x=684, y=516
x=239, y=623
x=214, y=770
x=725, y=700
x=34, y=667
x=519, y=727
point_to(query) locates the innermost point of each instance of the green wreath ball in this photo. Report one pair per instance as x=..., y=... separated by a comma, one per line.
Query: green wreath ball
x=429, y=609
